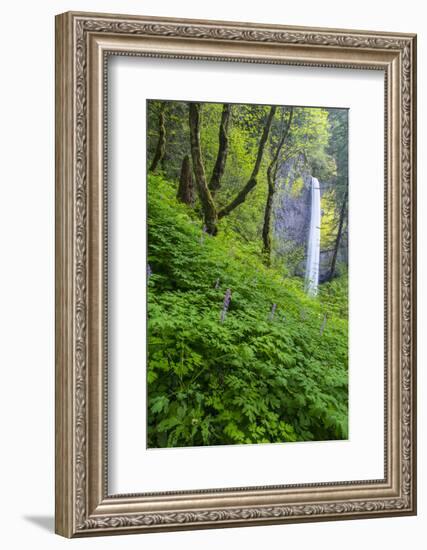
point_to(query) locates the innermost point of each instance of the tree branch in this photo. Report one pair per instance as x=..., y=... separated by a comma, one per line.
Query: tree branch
x=337, y=241
x=271, y=180
x=251, y=183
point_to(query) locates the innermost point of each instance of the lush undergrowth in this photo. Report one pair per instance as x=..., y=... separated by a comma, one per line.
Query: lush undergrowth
x=270, y=368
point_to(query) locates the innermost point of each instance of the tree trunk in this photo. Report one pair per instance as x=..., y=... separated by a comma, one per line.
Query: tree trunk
x=208, y=206
x=271, y=180
x=186, y=189
x=241, y=196
x=266, y=229
x=338, y=239
x=161, y=143
x=218, y=171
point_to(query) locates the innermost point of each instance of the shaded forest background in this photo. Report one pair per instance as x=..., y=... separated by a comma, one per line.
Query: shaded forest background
x=238, y=353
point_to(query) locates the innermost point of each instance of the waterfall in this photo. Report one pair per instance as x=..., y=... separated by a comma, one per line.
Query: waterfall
x=313, y=249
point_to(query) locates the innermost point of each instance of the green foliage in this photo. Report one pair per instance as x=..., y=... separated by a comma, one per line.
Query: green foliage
x=290, y=260
x=329, y=220
x=275, y=370
x=297, y=187
x=338, y=150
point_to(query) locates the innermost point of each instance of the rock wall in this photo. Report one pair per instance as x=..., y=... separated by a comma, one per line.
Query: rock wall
x=291, y=224
x=292, y=216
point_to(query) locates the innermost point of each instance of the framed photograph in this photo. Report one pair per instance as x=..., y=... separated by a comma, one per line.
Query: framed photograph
x=235, y=274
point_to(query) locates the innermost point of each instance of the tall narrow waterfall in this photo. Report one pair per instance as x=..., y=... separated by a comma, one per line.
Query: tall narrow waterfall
x=313, y=249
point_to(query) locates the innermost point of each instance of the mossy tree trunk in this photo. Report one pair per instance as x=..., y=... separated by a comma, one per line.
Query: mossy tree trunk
x=271, y=182
x=159, y=153
x=210, y=215
x=266, y=228
x=186, y=188
x=332, y=269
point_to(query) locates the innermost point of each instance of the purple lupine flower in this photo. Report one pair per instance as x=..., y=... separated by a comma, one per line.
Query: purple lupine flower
x=149, y=272
x=227, y=299
x=272, y=312
x=322, y=328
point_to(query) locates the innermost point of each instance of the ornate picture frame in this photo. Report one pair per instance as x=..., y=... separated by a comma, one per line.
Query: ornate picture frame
x=84, y=42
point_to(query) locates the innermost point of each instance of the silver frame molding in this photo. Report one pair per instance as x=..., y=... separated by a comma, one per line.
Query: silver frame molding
x=83, y=43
